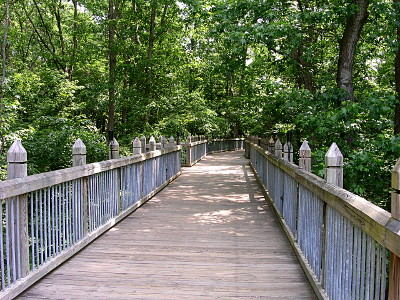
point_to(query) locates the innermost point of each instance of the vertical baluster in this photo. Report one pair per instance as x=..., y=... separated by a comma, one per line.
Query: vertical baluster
x=49, y=244
x=32, y=197
x=60, y=219
x=44, y=224
x=53, y=220
x=3, y=281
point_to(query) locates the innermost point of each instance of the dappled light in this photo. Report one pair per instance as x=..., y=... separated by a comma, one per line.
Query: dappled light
x=210, y=234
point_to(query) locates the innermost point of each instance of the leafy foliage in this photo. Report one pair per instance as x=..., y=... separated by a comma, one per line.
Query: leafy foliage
x=212, y=67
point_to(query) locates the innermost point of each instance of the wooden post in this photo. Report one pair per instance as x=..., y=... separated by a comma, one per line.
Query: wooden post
x=78, y=153
x=189, y=139
x=278, y=149
x=305, y=157
x=114, y=149
x=79, y=159
x=162, y=142
x=152, y=144
x=137, y=146
x=171, y=142
x=394, y=268
x=334, y=166
x=271, y=145
x=143, y=142
x=18, y=206
x=288, y=152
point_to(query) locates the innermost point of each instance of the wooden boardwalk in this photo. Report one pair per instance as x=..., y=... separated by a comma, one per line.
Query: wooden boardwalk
x=208, y=235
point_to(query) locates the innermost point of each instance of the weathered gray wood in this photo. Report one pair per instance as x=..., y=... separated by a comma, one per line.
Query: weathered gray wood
x=278, y=149
x=16, y=158
x=114, y=149
x=143, y=141
x=394, y=277
x=137, y=146
x=271, y=145
x=17, y=168
x=288, y=152
x=316, y=285
x=152, y=144
x=34, y=276
x=206, y=244
x=394, y=268
x=372, y=219
x=305, y=157
x=171, y=142
x=19, y=186
x=78, y=153
x=189, y=139
x=334, y=166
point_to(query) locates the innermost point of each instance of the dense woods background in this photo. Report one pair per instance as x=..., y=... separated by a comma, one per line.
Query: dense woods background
x=326, y=70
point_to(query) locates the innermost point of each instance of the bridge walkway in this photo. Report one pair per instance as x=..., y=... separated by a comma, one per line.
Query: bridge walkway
x=209, y=235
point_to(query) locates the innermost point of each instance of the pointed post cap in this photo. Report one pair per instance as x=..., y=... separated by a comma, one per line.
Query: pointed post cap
x=305, y=150
x=334, y=157
x=288, y=146
x=17, y=153
x=396, y=176
x=78, y=147
x=152, y=139
x=143, y=138
x=137, y=143
x=114, y=144
x=278, y=144
x=171, y=139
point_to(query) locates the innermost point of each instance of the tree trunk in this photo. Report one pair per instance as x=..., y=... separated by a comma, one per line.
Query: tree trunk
x=3, y=73
x=347, y=47
x=397, y=70
x=136, y=23
x=112, y=59
x=305, y=77
x=150, y=49
x=74, y=40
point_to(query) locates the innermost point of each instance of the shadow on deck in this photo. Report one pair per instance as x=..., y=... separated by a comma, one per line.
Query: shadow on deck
x=210, y=234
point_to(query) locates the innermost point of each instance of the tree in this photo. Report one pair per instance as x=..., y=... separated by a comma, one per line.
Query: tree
x=348, y=45
x=397, y=68
x=4, y=69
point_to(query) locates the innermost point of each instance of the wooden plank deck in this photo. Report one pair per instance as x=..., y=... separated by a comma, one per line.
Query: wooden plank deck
x=208, y=235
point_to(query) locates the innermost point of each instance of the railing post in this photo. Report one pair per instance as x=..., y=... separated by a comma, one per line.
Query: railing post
x=305, y=157
x=152, y=144
x=78, y=153
x=394, y=268
x=137, y=146
x=334, y=166
x=143, y=142
x=79, y=159
x=278, y=149
x=189, y=151
x=17, y=229
x=171, y=142
x=288, y=152
x=114, y=149
x=271, y=145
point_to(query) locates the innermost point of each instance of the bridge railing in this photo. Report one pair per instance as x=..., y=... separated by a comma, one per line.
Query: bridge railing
x=48, y=217
x=341, y=239
x=193, y=151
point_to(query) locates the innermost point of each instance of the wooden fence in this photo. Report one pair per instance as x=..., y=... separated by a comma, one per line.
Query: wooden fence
x=198, y=147
x=342, y=240
x=48, y=217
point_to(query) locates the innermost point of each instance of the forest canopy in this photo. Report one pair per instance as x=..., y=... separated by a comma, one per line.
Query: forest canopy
x=328, y=71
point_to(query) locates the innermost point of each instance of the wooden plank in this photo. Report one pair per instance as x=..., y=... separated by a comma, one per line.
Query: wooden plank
x=372, y=219
x=20, y=186
x=209, y=235
x=34, y=276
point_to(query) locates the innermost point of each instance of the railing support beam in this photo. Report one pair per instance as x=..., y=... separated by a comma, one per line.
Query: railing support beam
x=394, y=268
